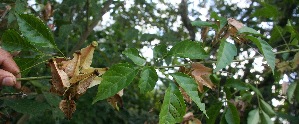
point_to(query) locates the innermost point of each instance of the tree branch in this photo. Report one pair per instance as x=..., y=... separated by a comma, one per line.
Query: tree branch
x=183, y=11
x=89, y=29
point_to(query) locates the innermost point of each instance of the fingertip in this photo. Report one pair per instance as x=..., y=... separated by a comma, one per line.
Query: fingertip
x=9, y=81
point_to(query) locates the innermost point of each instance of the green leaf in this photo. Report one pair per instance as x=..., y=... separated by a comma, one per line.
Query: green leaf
x=204, y=24
x=232, y=114
x=25, y=64
x=296, y=92
x=265, y=118
x=173, y=107
x=160, y=51
x=213, y=112
x=148, y=79
x=267, y=11
x=190, y=86
x=52, y=99
x=188, y=49
x=133, y=54
x=37, y=33
x=115, y=79
x=291, y=91
x=225, y=55
x=235, y=83
x=267, y=108
x=246, y=29
x=12, y=41
x=253, y=117
x=266, y=50
x=27, y=106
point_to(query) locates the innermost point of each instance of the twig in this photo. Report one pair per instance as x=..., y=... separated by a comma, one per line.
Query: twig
x=34, y=78
x=89, y=29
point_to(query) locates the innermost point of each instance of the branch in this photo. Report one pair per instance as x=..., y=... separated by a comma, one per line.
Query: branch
x=89, y=29
x=172, y=66
x=34, y=78
x=183, y=11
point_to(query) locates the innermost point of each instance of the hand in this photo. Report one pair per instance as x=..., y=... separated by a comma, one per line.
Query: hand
x=9, y=70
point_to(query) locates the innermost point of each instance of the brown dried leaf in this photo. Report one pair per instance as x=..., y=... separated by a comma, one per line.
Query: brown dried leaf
x=85, y=83
x=47, y=11
x=238, y=25
x=95, y=81
x=68, y=107
x=202, y=76
x=60, y=80
x=115, y=101
x=87, y=55
x=71, y=67
x=185, y=96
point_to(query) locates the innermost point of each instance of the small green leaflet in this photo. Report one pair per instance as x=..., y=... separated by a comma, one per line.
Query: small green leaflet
x=253, y=117
x=236, y=83
x=133, y=54
x=257, y=91
x=291, y=90
x=246, y=29
x=266, y=50
x=265, y=118
x=190, y=86
x=204, y=24
x=173, y=107
x=267, y=108
x=160, y=51
x=12, y=41
x=37, y=33
x=116, y=78
x=225, y=55
x=232, y=114
x=148, y=79
x=188, y=49
x=213, y=112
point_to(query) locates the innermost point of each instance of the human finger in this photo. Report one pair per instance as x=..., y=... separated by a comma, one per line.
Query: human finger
x=7, y=63
x=8, y=79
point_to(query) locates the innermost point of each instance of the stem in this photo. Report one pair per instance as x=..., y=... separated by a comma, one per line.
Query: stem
x=287, y=51
x=34, y=78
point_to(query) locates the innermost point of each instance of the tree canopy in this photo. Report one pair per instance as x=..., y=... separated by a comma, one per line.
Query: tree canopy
x=152, y=61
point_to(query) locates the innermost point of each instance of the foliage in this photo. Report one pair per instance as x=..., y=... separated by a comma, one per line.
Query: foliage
x=241, y=84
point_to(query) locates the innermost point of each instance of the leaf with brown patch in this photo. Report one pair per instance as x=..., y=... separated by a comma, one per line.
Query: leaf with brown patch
x=68, y=107
x=116, y=100
x=202, y=76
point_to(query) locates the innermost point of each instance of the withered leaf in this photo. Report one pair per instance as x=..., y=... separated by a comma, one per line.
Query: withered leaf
x=68, y=107
x=71, y=67
x=60, y=79
x=87, y=55
x=201, y=75
x=85, y=83
x=238, y=25
x=116, y=100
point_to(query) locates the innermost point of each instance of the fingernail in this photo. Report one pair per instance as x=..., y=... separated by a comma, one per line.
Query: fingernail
x=8, y=81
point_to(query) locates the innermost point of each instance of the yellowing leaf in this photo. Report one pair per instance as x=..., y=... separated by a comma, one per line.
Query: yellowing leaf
x=68, y=107
x=202, y=76
x=87, y=55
